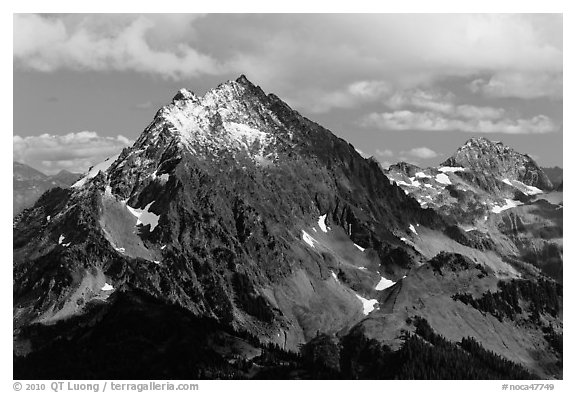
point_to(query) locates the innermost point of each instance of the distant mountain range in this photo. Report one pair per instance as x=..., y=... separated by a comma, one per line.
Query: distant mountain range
x=555, y=175
x=239, y=239
x=29, y=183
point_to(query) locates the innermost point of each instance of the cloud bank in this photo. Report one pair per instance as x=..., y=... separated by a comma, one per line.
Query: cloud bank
x=333, y=49
x=75, y=152
x=431, y=110
x=428, y=121
x=118, y=43
x=388, y=70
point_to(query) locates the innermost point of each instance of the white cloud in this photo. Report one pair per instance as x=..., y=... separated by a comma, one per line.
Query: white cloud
x=345, y=57
x=429, y=121
x=75, y=152
x=433, y=110
x=478, y=112
x=122, y=43
x=369, y=90
x=384, y=153
x=421, y=152
x=520, y=85
x=405, y=50
x=352, y=95
x=442, y=102
x=423, y=99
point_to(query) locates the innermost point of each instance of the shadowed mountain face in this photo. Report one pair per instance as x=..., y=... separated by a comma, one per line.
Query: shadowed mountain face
x=239, y=213
x=28, y=184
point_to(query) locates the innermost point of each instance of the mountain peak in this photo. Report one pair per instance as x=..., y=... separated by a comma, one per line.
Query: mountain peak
x=234, y=117
x=482, y=142
x=485, y=156
x=234, y=88
x=183, y=94
x=243, y=80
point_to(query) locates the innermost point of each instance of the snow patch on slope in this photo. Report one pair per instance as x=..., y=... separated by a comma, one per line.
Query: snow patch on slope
x=360, y=248
x=144, y=216
x=526, y=189
x=403, y=183
x=411, y=227
x=368, y=305
x=451, y=169
x=103, y=166
x=334, y=275
x=61, y=241
x=163, y=178
x=442, y=178
x=384, y=283
x=509, y=204
x=322, y=223
x=308, y=239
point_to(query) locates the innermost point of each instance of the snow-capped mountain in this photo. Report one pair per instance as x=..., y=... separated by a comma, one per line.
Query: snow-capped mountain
x=218, y=206
x=243, y=222
x=493, y=160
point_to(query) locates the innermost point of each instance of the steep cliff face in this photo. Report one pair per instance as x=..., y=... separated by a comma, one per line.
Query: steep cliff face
x=231, y=205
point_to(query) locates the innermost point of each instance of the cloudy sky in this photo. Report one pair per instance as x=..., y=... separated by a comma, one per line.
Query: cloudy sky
x=399, y=87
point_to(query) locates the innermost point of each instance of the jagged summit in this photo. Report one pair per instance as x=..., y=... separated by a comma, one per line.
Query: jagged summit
x=183, y=94
x=484, y=144
x=238, y=86
x=496, y=159
x=235, y=117
x=405, y=167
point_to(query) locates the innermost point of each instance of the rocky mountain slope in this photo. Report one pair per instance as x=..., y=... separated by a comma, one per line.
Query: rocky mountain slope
x=28, y=184
x=490, y=192
x=256, y=230
x=490, y=160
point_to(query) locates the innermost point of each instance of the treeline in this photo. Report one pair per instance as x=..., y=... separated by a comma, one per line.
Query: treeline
x=542, y=296
x=140, y=338
x=423, y=355
x=428, y=355
x=249, y=300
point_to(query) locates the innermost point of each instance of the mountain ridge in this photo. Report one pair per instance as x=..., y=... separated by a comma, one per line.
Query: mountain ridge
x=235, y=208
